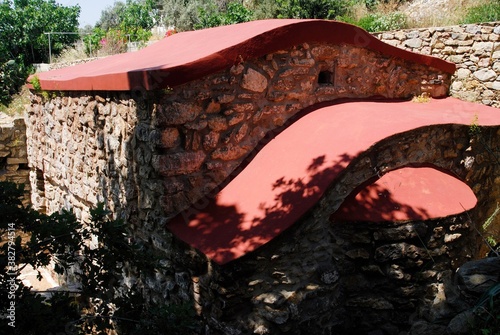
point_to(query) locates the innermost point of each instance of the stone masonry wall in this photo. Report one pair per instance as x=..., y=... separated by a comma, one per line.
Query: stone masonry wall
x=181, y=144
x=475, y=48
x=13, y=155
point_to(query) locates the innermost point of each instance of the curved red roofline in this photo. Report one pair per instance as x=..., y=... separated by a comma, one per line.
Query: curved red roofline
x=187, y=56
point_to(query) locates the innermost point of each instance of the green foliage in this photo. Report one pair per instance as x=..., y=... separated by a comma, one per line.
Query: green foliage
x=92, y=41
x=96, y=255
x=24, y=23
x=35, y=81
x=315, y=9
x=382, y=22
x=181, y=14
x=263, y=9
x=474, y=128
x=211, y=16
x=487, y=313
x=488, y=12
x=133, y=19
x=12, y=75
x=490, y=239
x=110, y=17
x=22, y=39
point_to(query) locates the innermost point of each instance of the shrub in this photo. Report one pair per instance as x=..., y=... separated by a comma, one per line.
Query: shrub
x=101, y=303
x=12, y=77
x=383, y=22
x=485, y=13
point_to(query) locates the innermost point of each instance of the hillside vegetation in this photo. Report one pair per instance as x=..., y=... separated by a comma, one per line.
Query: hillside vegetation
x=132, y=21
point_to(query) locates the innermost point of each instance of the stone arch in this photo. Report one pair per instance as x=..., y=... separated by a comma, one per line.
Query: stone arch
x=355, y=159
x=448, y=147
x=408, y=193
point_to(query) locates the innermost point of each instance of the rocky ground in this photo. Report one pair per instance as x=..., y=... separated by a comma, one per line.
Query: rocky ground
x=427, y=13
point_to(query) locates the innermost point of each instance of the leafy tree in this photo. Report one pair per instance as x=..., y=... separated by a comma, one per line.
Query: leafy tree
x=46, y=239
x=181, y=14
x=110, y=17
x=312, y=9
x=212, y=16
x=101, y=302
x=133, y=18
x=23, y=24
x=263, y=9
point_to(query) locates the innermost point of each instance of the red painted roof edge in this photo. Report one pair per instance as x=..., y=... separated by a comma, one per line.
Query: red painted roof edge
x=270, y=36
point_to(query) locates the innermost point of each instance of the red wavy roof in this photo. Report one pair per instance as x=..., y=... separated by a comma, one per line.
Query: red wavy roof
x=186, y=56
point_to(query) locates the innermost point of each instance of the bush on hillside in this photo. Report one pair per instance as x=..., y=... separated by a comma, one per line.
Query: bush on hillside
x=375, y=22
x=12, y=75
x=485, y=13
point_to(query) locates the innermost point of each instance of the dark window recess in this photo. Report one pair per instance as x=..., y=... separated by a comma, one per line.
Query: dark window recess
x=325, y=78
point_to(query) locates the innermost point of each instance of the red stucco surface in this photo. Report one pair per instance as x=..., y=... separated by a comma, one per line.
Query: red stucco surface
x=291, y=173
x=187, y=56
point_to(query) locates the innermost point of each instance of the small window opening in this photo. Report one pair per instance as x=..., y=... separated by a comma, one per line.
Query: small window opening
x=325, y=78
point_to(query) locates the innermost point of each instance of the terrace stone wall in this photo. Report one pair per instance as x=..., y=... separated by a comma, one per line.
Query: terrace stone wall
x=13, y=154
x=474, y=48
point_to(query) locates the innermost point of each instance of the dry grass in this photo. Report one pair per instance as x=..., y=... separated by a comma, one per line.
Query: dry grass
x=16, y=106
x=438, y=13
x=422, y=98
x=71, y=54
x=422, y=13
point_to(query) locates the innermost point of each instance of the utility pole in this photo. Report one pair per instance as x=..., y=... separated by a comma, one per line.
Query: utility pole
x=57, y=33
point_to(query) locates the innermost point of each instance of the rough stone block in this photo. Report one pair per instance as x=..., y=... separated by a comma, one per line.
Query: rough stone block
x=179, y=163
x=17, y=161
x=170, y=138
x=254, y=81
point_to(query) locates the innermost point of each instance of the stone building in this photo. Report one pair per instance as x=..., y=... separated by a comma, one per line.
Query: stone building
x=238, y=153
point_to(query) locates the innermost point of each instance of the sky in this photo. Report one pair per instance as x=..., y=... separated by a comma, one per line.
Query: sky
x=90, y=9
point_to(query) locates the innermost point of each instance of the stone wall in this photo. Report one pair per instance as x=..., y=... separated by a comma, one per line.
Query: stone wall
x=13, y=155
x=177, y=145
x=474, y=48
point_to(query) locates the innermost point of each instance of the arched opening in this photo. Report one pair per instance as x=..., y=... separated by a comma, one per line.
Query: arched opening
x=406, y=194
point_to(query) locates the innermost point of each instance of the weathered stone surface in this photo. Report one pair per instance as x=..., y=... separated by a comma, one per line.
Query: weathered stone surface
x=229, y=153
x=13, y=152
x=476, y=277
x=413, y=43
x=254, y=81
x=178, y=113
x=485, y=75
x=471, y=47
x=180, y=163
x=170, y=138
x=426, y=328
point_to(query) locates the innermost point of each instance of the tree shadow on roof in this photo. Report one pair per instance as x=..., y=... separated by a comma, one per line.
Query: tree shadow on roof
x=224, y=231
